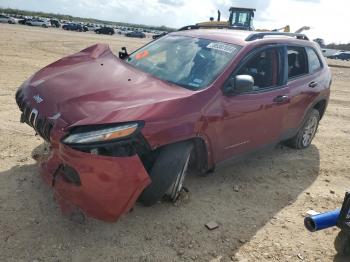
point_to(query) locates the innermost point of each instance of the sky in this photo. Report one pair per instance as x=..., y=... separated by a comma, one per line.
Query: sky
x=327, y=19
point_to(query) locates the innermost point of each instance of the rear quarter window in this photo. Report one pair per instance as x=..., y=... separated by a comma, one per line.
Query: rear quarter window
x=314, y=60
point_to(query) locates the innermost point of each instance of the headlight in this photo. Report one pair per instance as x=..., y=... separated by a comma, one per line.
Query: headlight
x=101, y=135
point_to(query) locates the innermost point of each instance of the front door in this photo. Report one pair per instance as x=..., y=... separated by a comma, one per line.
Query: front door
x=254, y=118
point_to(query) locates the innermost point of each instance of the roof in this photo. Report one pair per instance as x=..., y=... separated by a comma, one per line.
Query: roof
x=241, y=8
x=240, y=37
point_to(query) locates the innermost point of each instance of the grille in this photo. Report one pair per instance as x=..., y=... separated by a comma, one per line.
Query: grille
x=31, y=116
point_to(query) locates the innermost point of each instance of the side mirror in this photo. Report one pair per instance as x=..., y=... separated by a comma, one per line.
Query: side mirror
x=240, y=84
x=124, y=54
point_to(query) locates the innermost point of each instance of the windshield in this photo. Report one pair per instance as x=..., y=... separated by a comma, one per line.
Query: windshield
x=186, y=61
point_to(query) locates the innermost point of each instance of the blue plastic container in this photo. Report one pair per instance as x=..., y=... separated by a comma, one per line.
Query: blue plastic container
x=322, y=221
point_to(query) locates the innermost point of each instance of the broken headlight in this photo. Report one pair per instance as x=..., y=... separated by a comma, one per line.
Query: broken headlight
x=109, y=140
x=104, y=134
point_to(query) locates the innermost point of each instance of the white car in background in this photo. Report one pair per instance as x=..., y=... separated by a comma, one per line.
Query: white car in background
x=7, y=19
x=92, y=27
x=38, y=22
x=124, y=32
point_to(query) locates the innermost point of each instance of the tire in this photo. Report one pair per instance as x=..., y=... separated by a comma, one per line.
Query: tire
x=307, y=132
x=167, y=173
x=342, y=244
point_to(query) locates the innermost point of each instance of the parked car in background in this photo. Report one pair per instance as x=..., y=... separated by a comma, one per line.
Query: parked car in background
x=123, y=31
x=341, y=56
x=38, y=22
x=55, y=23
x=92, y=27
x=75, y=27
x=7, y=19
x=105, y=30
x=23, y=21
x=159, y=35
x=136, y=34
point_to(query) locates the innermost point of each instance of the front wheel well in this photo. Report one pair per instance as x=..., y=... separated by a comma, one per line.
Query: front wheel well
x=321, y=107
x=198, y=160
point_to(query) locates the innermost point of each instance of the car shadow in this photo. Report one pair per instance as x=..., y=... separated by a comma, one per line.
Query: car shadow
x=241, y=196
x=340, y=258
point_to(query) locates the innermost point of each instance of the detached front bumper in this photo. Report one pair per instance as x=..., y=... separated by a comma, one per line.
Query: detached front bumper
x=108, y=186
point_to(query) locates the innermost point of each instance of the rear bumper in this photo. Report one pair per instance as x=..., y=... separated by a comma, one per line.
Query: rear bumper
x=109, y=186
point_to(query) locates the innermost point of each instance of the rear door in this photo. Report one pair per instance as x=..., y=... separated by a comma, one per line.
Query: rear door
x=305, y=81
x=254, y=119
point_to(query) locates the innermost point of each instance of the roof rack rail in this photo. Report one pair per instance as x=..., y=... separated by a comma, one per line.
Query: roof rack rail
x=260, y=35
x=191, y=27
x=188, y=27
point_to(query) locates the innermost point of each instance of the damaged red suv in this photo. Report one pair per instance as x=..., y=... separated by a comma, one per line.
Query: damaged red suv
x=124, y=129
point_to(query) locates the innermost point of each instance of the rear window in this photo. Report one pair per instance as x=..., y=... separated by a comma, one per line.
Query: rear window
x=193, y=63
x=314, y=61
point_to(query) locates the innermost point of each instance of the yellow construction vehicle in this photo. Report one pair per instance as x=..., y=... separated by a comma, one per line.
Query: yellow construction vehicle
x=240, y=19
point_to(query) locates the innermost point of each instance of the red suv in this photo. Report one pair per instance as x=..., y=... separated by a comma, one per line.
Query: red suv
x=126, y=128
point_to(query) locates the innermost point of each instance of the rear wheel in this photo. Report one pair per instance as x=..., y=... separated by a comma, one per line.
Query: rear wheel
x=168, y=173
x=307, y=132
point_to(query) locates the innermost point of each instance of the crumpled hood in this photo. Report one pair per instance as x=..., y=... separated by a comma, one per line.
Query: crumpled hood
x=89, y=86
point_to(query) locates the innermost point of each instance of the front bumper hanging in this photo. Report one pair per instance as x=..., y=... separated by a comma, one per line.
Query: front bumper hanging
x=103, y=187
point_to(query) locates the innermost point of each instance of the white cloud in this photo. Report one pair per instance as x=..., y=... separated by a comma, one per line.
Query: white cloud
x=328, y=19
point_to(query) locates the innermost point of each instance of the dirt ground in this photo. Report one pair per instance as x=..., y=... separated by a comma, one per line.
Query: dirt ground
x=259, y=201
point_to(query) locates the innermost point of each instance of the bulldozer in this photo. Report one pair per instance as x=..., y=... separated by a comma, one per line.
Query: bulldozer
x=240, y=18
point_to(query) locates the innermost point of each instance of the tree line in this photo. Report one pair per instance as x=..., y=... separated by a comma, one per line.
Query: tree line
x=322, y=44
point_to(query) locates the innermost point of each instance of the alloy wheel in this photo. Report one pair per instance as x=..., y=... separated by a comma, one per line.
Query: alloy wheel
x=309, y=131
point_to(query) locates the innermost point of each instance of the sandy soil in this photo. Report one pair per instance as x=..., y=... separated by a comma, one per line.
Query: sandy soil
x=263, y=221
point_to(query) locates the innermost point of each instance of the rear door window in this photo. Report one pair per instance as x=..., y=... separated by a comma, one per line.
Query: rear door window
x=314, y=61
x=297, y=62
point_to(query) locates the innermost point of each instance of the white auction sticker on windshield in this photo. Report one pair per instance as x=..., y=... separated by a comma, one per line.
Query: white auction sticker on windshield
x=222, y=47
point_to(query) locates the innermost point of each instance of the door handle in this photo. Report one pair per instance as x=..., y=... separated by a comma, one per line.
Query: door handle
x=280, y=99
x=313, y=84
